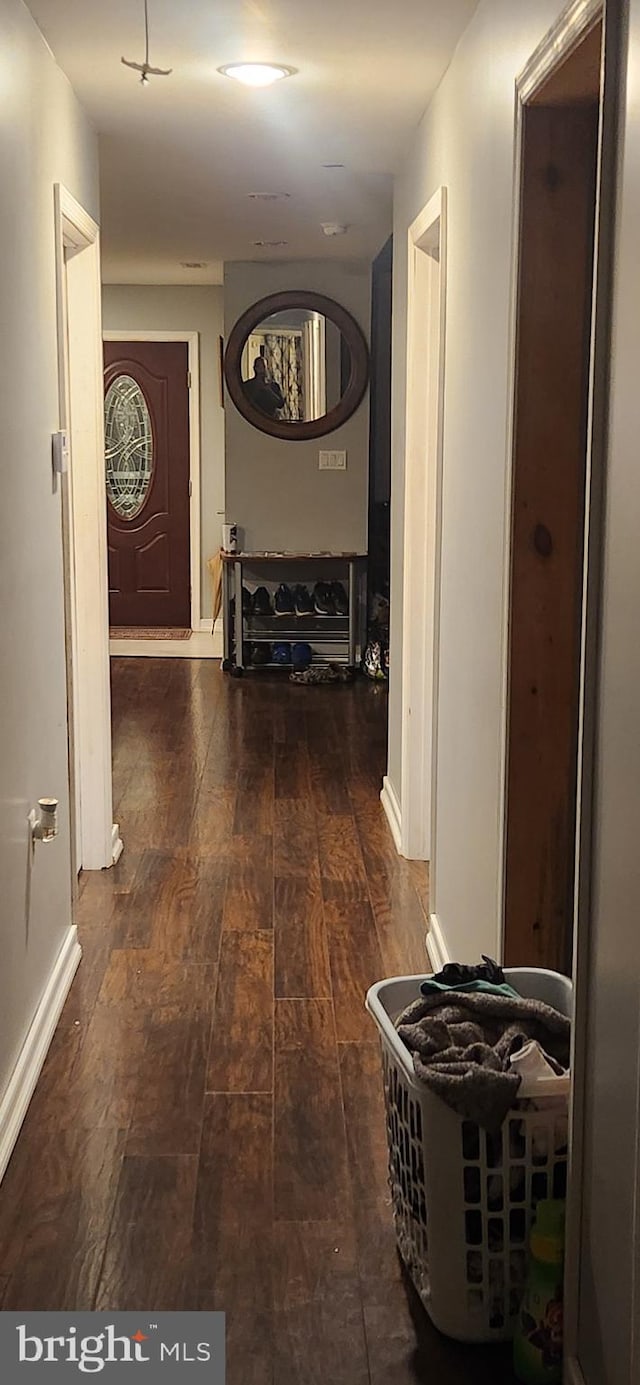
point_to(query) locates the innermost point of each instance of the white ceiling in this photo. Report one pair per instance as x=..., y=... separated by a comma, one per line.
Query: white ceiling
x=180, y=158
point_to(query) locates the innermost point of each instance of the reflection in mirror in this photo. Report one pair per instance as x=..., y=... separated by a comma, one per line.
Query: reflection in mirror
x=295, y=366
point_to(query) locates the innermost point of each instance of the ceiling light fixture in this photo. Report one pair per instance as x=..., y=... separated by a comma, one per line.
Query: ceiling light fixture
x=270, y=244
x=144, y=68
x=334, y=228
x=256, y=74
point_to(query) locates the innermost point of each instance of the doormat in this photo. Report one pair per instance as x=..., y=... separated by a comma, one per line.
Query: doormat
x=132, y=632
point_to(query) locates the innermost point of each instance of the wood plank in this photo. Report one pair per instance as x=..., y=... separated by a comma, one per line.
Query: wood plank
x=356, y=962
x=340, y=852
x=329, y=782
x=310, y=1170
x=59, y=1198
x=249, y=894
x=233, y=1230
x=361, y=1076
x=241, y=1052
x=212, y=823
x=148, y=1250
x=319, y=1333
x=167, y=1114
x=295, y=845
x=187, y=922
x=255, y=788
x=134, y=912
x=292, y=779
x=232, y=1236
x=301, y=954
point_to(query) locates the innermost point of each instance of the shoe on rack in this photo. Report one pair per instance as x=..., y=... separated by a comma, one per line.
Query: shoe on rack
x=284, y=603
x=323, y=604
x=281, y=654
x=246, y=601
x=261, y=602
x=340, y=599
x=261, y=655
x=301, y=656
x=303, y=601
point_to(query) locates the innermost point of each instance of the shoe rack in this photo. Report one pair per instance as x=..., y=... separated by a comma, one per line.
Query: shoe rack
x=333, y=638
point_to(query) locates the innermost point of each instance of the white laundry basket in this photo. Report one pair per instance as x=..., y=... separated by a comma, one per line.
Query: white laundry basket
x=463, y=1199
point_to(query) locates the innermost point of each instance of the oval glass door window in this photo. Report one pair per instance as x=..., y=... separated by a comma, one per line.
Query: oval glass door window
x=128, y=446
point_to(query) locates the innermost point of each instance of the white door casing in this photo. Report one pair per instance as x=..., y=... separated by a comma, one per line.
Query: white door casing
x=414, y=825
x=97, y=842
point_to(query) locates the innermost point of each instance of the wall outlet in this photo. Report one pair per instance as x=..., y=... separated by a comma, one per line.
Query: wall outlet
x=332, y=461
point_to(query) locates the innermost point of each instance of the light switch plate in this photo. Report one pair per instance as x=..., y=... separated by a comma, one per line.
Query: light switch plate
x=332, y=461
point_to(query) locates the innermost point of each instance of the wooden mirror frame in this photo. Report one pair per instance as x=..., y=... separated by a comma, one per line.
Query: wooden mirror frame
x=358, y=378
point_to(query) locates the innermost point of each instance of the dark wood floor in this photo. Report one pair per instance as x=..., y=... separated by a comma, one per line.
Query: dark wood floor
x=208, y=1128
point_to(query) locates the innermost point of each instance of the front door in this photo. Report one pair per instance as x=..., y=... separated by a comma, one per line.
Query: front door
x=147, y=477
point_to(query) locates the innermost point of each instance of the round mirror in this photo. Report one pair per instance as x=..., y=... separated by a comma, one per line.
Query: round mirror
x=296, y=365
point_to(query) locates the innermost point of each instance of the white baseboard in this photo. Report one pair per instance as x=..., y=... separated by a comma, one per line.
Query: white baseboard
x=117, y=844
x=437, y=948
x=573, y=1374
x=391, y=807
x=14, y=1104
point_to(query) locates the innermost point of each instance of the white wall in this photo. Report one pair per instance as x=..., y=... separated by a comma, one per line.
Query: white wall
x=466, y=142
x=194, y=309
x=274, y=489
x=44, y=138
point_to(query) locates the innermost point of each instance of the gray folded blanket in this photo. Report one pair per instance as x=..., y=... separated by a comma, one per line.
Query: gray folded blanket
x=461, y=1045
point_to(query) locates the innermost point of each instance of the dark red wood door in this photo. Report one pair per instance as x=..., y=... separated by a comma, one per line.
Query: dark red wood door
x=147, y=477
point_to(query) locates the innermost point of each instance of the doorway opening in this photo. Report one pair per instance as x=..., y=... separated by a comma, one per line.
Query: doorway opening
x=95, y=838
x=414, y=828
x=560, y=125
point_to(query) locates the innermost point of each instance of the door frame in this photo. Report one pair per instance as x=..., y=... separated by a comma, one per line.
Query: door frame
x=571, y=27
x=414, y=825
x=192, y=340
x=95, y=838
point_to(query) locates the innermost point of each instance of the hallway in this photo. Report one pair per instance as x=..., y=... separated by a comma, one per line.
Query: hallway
x=208, y=1128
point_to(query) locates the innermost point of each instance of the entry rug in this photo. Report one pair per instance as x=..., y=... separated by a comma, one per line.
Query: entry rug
x=133, y=632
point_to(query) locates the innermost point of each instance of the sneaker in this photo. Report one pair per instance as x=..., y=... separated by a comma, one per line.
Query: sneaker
x=301, y=656
x=323, y=599
x=246, y=601
x=340, y=599
x=303, y=601
x=261, y=602
x=285, y=605
x=261, y=654
x=281, y=654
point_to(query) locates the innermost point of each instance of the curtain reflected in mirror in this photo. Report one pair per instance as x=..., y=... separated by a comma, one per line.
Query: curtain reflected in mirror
x=295, y=366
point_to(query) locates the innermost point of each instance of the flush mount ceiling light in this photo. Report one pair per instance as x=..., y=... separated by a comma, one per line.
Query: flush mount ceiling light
x=256, y=74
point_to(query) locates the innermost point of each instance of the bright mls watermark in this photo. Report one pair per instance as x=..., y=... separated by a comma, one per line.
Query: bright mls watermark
x=172, y=1348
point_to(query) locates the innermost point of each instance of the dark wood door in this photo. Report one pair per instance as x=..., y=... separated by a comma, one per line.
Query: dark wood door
x=147, y=458
x=552, y=399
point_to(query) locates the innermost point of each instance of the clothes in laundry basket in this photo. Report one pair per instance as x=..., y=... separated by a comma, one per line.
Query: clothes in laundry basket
x=458, y=974
x=462, y=1043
